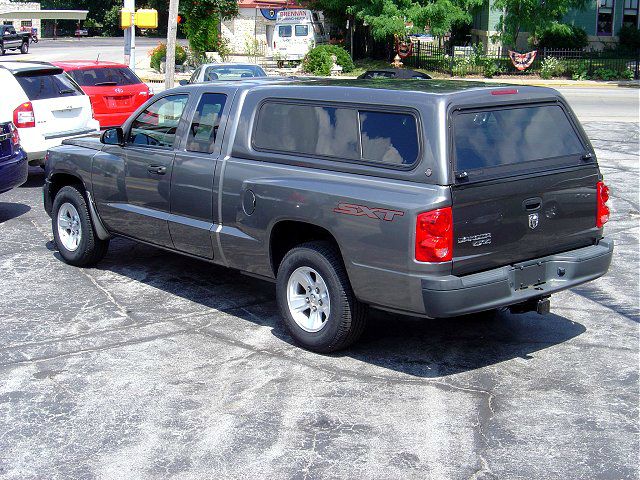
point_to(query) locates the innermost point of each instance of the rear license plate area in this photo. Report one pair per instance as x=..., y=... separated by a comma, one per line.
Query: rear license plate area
x=527, y=276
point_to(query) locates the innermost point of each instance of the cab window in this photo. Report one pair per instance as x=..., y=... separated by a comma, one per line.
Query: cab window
x=284, y=31
x=204, y=126
x=157, y=125
x=302, y=30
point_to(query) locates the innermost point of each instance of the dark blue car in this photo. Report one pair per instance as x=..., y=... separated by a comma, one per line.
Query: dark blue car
x=13, y=161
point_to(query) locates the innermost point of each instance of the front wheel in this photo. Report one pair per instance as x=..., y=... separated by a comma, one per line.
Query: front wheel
x=316, y=300
x=73, y=230
x=24, y=48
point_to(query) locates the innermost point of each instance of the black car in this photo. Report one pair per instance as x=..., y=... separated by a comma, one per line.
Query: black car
x=403, y=73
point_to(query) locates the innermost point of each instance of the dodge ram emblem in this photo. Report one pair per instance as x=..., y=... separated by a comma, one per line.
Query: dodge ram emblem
x=533, y=220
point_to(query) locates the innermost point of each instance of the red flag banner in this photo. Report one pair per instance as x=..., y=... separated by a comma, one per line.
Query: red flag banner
x=522, y=61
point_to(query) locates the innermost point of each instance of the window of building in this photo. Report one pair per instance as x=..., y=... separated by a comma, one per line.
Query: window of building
x=26, y=23
x=605, y=17
x=342, y=133
x=630, y=13
x=204, y=127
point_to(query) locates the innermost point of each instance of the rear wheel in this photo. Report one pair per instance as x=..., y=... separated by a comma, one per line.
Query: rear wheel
x=24, y=48
x=1, y=51
x=73, y=230
x=316, y=300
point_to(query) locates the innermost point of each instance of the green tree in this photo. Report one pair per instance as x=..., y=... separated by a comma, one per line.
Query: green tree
x=390, y=17
x=533, y=16
x=201, y=21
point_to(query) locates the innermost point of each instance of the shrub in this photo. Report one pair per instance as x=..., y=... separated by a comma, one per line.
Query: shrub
x=609, y=74
x=551, y=67
x=578, y=71
x=318, y=60
x=490, y=68
x=560, y=35
x=629, y=37
x=201, y=31
x=159, y=54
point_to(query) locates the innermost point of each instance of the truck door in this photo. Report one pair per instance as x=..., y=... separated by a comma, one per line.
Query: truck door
x=193, y=197
x=132, y=185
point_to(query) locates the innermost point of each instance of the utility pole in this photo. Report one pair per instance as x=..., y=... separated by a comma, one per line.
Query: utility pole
x=130, y=37
x=172, y=30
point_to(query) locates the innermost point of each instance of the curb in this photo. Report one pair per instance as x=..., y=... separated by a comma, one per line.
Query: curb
x=562, y=83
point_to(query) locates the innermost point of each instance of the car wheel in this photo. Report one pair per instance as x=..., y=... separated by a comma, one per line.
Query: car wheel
x=316, y=300
x=1, y=51
x=73, y=230
x=24, y=48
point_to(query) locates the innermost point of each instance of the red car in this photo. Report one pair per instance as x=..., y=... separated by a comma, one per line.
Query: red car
x=115, y=91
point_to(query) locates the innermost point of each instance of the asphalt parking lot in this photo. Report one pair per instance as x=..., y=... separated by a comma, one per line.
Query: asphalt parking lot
x=155, y=366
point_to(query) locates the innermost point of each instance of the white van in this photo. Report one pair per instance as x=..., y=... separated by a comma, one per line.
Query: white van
x=46, y=105
x=296, y=32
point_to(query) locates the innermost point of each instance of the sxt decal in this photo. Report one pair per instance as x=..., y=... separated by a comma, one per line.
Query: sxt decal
x=363, y=210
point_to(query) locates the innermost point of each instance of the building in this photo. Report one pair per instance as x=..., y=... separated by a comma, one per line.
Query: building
x=25, y=23
x=602, y=19
x=254, y=24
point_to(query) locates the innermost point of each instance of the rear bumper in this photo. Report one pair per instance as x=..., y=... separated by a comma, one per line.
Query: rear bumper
x=36, y=144
x=109, y=120
x=450, y=296
x=13, y=172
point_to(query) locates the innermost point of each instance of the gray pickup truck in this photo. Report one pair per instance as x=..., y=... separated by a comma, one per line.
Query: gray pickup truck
x=431, y=199
x=12, y=40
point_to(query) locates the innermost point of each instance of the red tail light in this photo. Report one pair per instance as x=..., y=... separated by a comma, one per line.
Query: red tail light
x=23, y=116
x=15, y=136
x=274, y=44
x=434, y=236
x=602, y=215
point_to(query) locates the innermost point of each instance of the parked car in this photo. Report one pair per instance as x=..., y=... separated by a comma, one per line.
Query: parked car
x=210, y=72
x=403, y=73
x=81, y=32
x=115, y=91
x=13, y=161
x=12, y=40
x=431, y=199
x=46, y=105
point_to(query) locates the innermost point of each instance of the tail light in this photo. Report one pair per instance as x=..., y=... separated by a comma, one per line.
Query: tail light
x=23, y=116
x=602, y=215
x=274, y=44
x=434, y=236
x=15, y=136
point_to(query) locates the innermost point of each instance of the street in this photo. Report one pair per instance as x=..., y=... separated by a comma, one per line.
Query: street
x=154, y=365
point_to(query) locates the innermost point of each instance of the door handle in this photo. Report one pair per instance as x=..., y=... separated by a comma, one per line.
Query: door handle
x=532, y=204
x=157, y=169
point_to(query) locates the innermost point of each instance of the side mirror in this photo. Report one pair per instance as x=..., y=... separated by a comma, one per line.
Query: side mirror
x=113, y=136
x=183, y=82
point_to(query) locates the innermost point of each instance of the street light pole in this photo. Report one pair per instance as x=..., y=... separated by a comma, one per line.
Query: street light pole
x=172, y=30
x=130, y=36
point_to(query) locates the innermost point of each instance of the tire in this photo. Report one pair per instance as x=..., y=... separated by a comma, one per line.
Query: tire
x=24, y=48
x=84, y=249
x=1, y=51
x=319, y=262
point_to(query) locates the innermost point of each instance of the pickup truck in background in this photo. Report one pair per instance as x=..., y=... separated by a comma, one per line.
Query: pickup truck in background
x=431, y=199
x=12, y=40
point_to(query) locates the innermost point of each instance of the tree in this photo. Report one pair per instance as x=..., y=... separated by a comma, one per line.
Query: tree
x=390, y=17
x=202, y=19
x=533, y=16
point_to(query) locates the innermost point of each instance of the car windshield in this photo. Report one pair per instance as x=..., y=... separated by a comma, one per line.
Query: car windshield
x=232, y=72
x=97, y=77
x=42, y=85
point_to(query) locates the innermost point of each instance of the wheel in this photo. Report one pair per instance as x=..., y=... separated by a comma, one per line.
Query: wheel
x=73, y=230
x=316, y=300
x=24, y=48
x=1, y=51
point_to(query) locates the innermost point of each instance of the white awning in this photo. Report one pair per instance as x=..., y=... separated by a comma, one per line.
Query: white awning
x=45, y=14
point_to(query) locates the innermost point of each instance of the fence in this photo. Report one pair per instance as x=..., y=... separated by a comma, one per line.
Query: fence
x=461, y=61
